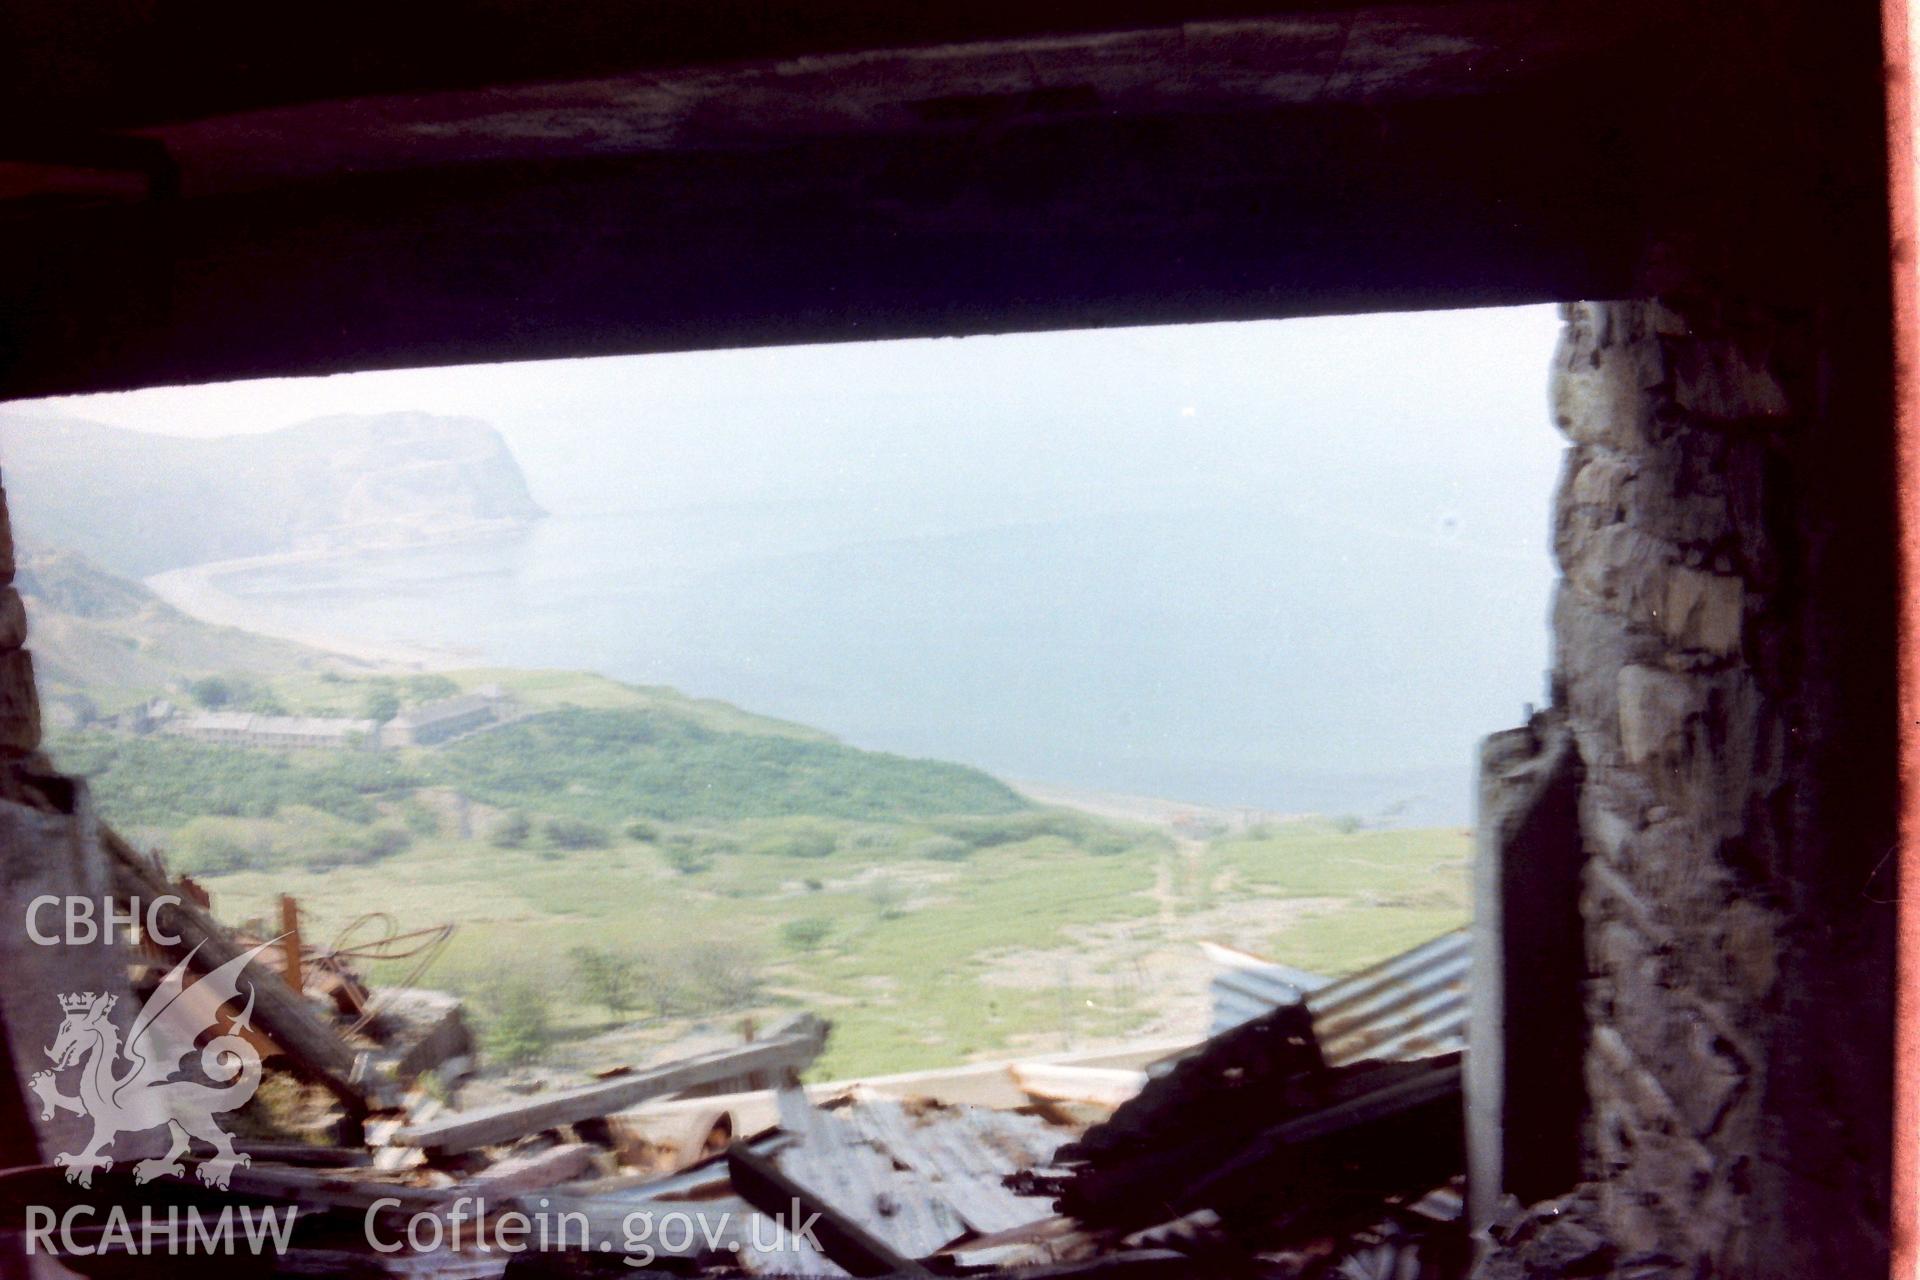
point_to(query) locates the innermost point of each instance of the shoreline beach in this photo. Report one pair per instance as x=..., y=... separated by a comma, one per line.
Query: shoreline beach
x=195, y=590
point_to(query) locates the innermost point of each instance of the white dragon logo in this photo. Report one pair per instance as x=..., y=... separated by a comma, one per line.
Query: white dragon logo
x=145, y=1095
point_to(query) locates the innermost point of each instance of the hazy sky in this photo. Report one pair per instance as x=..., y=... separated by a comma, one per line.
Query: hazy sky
x=1371, y=413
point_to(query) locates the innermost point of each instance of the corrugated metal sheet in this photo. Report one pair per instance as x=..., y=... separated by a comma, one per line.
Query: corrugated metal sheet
x=916, y=1173
x=1411, y=1006
x=1245, y=986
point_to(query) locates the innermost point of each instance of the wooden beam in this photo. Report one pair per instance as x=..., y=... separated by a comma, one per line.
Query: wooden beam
x=795, y=1044
x=1107, y=1087
x=290, y=943
x=288, y=1019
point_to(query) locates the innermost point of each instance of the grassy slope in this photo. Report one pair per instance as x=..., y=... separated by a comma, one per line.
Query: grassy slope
x=907, y=987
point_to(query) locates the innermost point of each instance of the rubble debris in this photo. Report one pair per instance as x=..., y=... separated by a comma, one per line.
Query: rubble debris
x=1319, y=1141
x=1262, y=1141
x=1244, y=1079
x=1412, y=1005
x=669, y=1143
x=794, y=1045
x=1564, y=1237
x=423, y=1031
x=318, y=1051
x=849, y=1246
x=1106, y=1087
x=536, y=1170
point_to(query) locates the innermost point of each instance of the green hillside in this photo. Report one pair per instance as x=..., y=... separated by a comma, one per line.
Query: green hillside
x=613, y=764
x=116, y=642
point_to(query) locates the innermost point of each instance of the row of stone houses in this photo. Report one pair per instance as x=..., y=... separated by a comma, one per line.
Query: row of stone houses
x=435, y=722
x=425, y=725
x=291, y=733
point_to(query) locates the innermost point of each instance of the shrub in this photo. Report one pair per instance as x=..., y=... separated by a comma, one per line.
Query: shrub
x=801, y=842
x=806, y=933
x=643, y=831
x=889, y=898
x=688, y=860
x=344, y=846
x=419, y=817
x=573, y=833
x=941, y=849
x=511, y=832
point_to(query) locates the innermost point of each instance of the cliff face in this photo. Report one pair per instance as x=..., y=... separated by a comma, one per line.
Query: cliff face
x=140, y=503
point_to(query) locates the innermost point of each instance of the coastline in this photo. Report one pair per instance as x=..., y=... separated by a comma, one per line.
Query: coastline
x=196, y=591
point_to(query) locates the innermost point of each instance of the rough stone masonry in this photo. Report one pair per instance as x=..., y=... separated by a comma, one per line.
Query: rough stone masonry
x=1686, y=543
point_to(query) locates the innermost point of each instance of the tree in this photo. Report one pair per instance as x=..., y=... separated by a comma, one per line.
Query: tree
x=605, y=976
x=718, y=975
x=516, y=1026
x=211, y=692
x=380, y=705
x=430, y=688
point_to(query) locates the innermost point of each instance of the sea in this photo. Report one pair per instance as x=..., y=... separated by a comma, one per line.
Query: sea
x=1271, y=659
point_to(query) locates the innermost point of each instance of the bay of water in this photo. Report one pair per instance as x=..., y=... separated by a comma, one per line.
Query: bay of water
x=1236, y=656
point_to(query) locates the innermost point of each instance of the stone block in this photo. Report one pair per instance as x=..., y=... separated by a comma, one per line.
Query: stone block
x=1703, y=610
x=1651, y=1106
x=1602, y=479
x=1656, y=709
x=1607, y=395
x=1624, y=569
x=1751, y=948
x=1715, y=1070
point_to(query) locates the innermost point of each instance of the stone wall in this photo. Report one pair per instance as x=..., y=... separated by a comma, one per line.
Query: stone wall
x=19, y=705
x=1739, y=948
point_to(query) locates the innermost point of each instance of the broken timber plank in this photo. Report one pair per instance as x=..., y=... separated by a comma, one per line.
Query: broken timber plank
x=1092, y=1086
x=538, y=1170
x=799, y=1043
x=845, y=1242
x=284, y=1016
